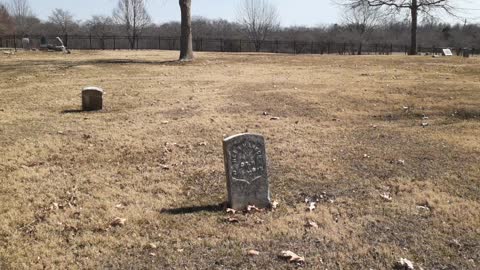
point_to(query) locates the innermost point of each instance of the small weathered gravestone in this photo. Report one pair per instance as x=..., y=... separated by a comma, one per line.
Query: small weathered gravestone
x=466, y=52
x=43, y=43
x=246, y=169
x=26, y=44
x=92, y=99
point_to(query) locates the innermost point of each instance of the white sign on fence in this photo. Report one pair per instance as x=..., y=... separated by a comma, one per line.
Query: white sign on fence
x=447, y=52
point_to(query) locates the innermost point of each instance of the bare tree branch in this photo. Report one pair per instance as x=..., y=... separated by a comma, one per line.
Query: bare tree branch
x=133, y=16
x=63, y=19
x=259, y=19
x=414, y=6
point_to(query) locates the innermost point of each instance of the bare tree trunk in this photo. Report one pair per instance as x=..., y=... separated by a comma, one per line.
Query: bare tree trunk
x=258, y=45
x=186, y=46
x=413, y=38
x=131, y=41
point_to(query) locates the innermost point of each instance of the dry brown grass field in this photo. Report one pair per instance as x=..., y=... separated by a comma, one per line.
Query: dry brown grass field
x=349, y=130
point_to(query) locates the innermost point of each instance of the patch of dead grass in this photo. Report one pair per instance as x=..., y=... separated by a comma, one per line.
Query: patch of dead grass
x=154, y=158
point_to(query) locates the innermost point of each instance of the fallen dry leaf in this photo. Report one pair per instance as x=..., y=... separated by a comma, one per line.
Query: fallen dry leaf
x=164, y=167
x=311, y=224
x=274, y=204
x=232, y=220
x=386, y=197
x=118, y=222
x=55, y=206
x=231, y=211
x=291, y=257
x=251, y=208
x=253, y=252
x=404, y=264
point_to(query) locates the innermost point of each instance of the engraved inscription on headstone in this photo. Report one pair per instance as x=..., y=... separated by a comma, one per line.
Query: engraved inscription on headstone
x=92, y=99
x=246, y=169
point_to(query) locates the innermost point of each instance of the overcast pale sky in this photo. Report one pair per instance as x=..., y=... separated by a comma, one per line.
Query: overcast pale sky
x=292, y=12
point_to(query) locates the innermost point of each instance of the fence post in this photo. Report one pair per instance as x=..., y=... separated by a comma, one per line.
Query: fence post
x=114, y=43
x=295, y=47
x=391, y=48
x=137, y=42
x=90, y=37
x=241, y=49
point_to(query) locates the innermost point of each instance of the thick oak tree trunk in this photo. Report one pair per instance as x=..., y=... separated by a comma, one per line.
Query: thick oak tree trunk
x=413, y=30
x=186, y=46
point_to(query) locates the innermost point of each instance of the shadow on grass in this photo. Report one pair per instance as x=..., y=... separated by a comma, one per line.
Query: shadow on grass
x=82, y=111
x=72, y=111
x=466, y=114
x=193, y=209
x=71, y=64
x=133, y=61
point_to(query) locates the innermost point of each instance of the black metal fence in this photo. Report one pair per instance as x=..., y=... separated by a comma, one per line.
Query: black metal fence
x=222, y=45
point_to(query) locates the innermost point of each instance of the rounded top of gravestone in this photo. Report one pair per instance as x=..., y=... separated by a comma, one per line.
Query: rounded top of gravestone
x=251, y=135
x=93, y=88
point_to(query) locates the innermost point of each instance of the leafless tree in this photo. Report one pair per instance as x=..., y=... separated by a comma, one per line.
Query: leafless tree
x=20, y=8
x=133, y=16
x=62, y=19
x=361, y=21
x=259, y=18
x=186, y=45
x=413, y=6
x=7, y=24
x=23, y=16
x=100, y=26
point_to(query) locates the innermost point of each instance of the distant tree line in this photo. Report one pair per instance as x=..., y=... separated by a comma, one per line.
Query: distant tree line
x=130, y=19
